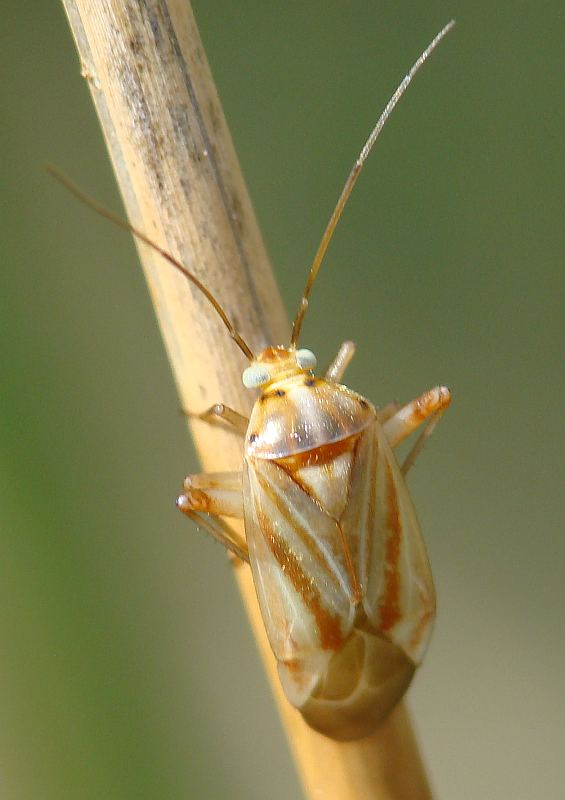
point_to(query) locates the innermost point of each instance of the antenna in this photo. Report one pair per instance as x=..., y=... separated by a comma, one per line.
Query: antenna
x=121, y=223
x=353, y=175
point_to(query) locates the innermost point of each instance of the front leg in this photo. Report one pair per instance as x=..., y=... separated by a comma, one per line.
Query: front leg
x=209, y=495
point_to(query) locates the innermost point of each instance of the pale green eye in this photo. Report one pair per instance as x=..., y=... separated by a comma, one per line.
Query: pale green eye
x=306, y=359
x=255, y=376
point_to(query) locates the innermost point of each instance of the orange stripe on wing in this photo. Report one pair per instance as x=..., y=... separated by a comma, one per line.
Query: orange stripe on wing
x=329, y=625
x=303, y=533
x=319, y=457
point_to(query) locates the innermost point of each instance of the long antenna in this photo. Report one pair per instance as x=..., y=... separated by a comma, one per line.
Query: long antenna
x=353, y=175
x=121, y=223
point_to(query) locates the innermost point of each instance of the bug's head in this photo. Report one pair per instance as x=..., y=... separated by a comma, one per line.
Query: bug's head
x=278, y=363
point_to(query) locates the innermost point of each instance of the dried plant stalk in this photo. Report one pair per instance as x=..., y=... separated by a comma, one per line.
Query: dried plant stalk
x=181, y=183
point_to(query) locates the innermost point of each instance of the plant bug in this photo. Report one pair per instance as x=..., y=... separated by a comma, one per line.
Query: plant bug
x=331, y=534
x=333, y=542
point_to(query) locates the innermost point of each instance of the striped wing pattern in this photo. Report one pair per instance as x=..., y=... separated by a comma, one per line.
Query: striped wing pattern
x=302, y=584
x=341, y=573
x=398, y=590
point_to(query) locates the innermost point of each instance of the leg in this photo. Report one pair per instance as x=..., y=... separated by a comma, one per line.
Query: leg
x=207, y=496
x=217, y=493
x=340, y=363
x=219, y=411
x=220, y=531
x=429, y=406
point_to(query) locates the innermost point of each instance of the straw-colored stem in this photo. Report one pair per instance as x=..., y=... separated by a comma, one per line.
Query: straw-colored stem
x=181, y=184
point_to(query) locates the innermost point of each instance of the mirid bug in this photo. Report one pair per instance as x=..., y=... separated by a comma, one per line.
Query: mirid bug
x=331, y=535
x=333, y=542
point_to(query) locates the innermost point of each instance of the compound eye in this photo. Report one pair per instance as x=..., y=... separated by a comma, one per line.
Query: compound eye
x=255, y=376
x=306, y=359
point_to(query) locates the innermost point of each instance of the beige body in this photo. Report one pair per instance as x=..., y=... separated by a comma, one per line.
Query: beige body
x=338, y=561
x=339, y=566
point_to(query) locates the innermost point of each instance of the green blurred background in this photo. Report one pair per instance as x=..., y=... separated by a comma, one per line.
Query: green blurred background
x=127, y=668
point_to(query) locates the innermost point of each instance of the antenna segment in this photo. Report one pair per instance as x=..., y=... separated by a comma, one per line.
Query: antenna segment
x=353, y=175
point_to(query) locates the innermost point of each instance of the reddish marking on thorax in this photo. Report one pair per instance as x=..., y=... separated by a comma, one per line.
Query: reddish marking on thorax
x=315, y=457
x=331, y=637
x=390, y=612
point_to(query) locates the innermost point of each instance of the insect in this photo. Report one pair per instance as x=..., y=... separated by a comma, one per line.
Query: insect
x=331, y=534
x=333, y=542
